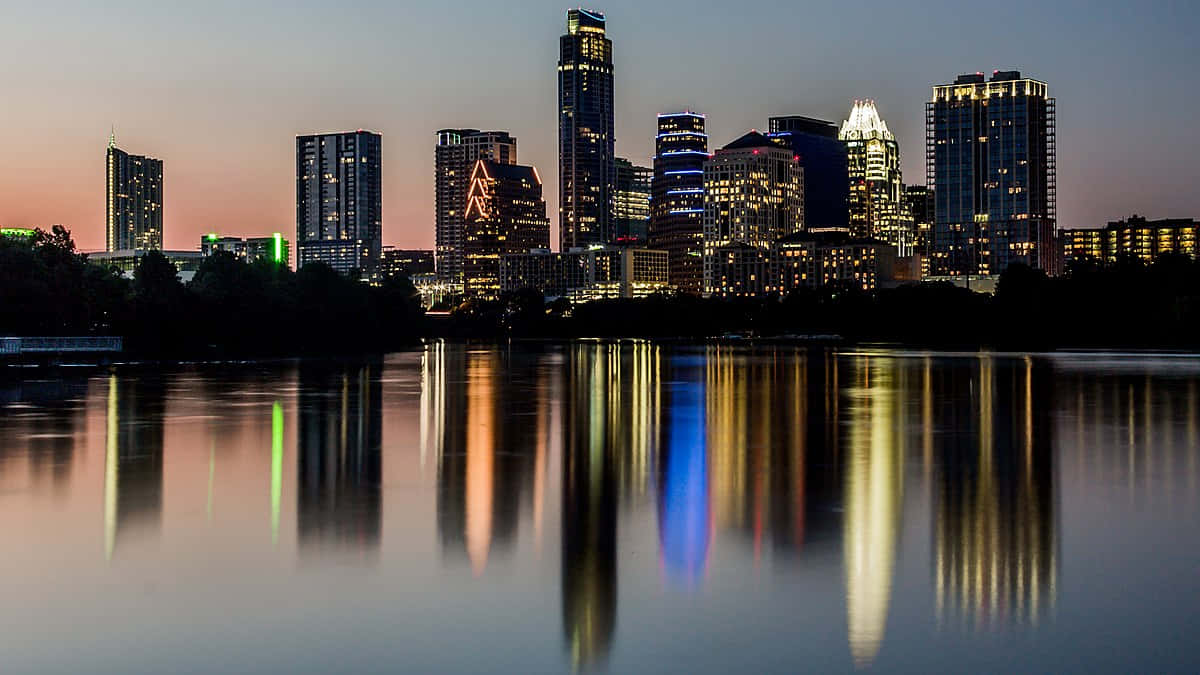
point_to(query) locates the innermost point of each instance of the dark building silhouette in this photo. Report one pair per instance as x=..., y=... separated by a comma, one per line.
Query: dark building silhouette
x=996, y=559
x=339, y=200
x=677, y=206
x=991, y=160
x=339, y=459
x=133, y=200
x=826, y=173
x=133, y=468
x=490, y=434
x=589, y=510
x=586, y=140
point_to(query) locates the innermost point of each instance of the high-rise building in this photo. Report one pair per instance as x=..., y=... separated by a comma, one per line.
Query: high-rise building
x=677, y=208
x=457, y=152
x=631, y=202
x=586, y=132
x=339, y=200
x=991, y=161
x=918, y=203
x=826, y=176
x=876, y=184
x=753, y=196
x=134, y=201
x=505, y=214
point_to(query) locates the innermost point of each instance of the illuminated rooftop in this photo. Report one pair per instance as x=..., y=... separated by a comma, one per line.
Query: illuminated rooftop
x=865, y=123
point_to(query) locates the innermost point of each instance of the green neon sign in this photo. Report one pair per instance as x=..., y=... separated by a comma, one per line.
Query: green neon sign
x=278, y=247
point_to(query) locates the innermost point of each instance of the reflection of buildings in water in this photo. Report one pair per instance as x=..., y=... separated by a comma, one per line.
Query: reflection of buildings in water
x=874, y=500
x=339, y=504
x=589, y=520
x=133, y=466
x=773, y=445
x=49, y=432
x=684, y=515
x=1134, y=432
x=995, y=533
x=486, y=420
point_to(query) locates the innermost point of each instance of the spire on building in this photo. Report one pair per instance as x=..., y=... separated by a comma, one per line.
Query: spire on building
x=865, y=123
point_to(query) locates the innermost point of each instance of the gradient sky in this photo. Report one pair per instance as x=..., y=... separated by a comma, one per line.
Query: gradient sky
x=219, y=90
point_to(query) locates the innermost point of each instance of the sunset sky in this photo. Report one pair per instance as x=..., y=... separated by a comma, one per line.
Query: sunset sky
x=218, y=90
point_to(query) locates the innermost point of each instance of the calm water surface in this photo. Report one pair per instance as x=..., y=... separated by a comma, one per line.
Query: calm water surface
x=606, y=507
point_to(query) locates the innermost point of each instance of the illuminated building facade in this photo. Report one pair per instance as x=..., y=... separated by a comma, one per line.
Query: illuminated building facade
x=753, y=195
x=802, y=260
x=584, y=275
x=339, y=200
x=677, y=207
x=397, y=263
x=918, y=201
x=133, y=201
x=586, y=145
x=991, y=161
x=631, y=202
x=1145, y=240
x=876, y=184
x=826, y=175
x=272, y=249
x=455, y=156
x=505, y=214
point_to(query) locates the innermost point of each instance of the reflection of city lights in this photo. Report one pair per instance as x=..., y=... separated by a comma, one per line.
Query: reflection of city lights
x=111, y=467
x=276, y=468
x=480, y=460
x=874, y=489
x=684, y=513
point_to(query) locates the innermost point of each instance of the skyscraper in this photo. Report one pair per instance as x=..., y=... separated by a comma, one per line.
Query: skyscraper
x=826, y=177
x=991, y=161
x=339, y=200
x=677, y=208
x=586, y=151
x=876, y=184
x=631, y=202
x=457, y=152
x=133, y=201
x=505, y=214
x=753, y=196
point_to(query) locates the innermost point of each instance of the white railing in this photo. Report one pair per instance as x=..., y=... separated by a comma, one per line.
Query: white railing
x=60, y=345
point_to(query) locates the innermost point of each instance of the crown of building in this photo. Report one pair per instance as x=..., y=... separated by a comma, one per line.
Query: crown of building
x=865, y=124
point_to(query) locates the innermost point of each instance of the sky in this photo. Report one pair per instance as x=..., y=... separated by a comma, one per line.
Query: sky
x=218, y=90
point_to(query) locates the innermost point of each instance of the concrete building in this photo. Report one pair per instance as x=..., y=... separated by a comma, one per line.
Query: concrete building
x=274, y=248
x=1135, y=237
x=753, y=195
x=339, y=200
x=455, y=156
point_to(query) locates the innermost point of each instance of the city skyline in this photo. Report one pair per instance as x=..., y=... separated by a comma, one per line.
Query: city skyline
x=171, y=114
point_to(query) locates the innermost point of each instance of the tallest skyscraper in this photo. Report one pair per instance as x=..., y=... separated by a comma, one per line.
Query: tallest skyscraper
x=587, y=167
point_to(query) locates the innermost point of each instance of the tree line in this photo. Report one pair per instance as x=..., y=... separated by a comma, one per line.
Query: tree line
x=234, y=309
x=229, y=309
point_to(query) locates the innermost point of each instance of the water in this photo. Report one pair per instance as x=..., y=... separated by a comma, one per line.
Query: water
x=606, y=507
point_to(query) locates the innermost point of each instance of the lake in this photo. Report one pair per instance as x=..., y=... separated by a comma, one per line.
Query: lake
x=605, y=507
